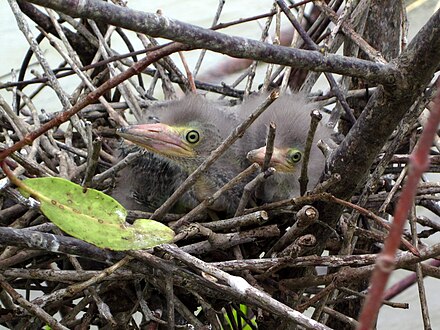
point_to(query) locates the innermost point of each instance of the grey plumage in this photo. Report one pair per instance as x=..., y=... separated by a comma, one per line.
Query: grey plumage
x=188, y=131
x=291, y=114
x=147, y=182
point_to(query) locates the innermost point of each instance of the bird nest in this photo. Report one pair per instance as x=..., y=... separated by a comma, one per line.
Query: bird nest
x=266, y=263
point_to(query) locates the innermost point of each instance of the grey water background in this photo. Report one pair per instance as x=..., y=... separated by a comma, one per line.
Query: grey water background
x=13, y=47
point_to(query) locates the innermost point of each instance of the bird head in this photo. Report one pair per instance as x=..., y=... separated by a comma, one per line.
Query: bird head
x=284, y=160
x=291, y=115
x=189, y=129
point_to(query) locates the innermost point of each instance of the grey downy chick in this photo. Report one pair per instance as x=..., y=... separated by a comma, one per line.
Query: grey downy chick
x=148, y=181
x=291, y=114
x=188, y=131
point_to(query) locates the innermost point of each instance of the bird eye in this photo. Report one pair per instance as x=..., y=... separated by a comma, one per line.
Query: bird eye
x=192, y=136
x=295, y=156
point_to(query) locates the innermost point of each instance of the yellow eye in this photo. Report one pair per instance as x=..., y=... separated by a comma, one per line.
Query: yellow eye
x=192, y=136
x=295, y=156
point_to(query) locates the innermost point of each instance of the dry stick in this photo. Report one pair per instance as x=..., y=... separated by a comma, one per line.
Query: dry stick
x=33, y=309
x=191, y=216
x=169, y=293
x=221, y=3
x=168, y=65
x=76, y=288
x=244, y=289
x=189, y=75
x=145, y=310
x=257, y=17
x=393, y=191
x=296, y=201
x=253, y=66
x=258, y=181
x=92, y=162
x=372, y=53
x=305, y=217
x=93, y=96
x=270, y=141
x=405, y=283
x=312, y=45
x=105, y=51
x=67, y=275
x=250, y=187
x=235, y=135
x=261, y=265
x=130, y=158
x=386, y=260
x=315, y=117
x=225, y=241
x=276, y=41
x=363, y=295
x=252, y=219
x=317, y=297
x=380, y=221
x=419, y=272
x=72, y=58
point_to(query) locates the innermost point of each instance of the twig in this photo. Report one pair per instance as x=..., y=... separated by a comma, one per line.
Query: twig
x=305, y=217
x=252, y=219
x=190, y=216
x=92, y=97
x=250, y=187
x=92, y=162
x=312, y=45
x=32, y=308
x=221, y=3
x=385, y=264
x=189, y=75
x=157, y=26
x=380, y=221
x=238, y=132
x=269, y=146
x=372, y=53
x=244, y=289
x=315, y=117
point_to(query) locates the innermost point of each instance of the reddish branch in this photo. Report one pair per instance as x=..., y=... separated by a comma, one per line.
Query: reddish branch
x=419, y=162
x=93, y=96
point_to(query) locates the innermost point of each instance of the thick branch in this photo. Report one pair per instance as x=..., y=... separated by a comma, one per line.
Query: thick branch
x=355, y=155
x=196, y=37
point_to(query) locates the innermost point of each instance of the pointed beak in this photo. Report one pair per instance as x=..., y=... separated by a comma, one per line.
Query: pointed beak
x=159, y=138
x=277, y=161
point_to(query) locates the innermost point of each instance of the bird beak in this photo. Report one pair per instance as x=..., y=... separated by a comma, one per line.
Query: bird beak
x=277, y=161
x=159, y=138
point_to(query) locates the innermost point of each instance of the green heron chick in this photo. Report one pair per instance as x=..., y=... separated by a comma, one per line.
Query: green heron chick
x=147, y=181
x=188, y=131
x=291, y=115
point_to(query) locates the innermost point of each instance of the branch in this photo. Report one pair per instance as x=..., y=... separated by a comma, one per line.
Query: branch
x=157, y=25
x=357, y=152
x=419, y=162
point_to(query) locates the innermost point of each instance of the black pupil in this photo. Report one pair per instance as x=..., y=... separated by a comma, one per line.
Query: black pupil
x=192, y=136
x=296, y=156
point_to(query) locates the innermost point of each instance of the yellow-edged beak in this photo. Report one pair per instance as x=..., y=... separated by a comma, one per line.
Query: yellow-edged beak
x=277, y=161
x=159, y=138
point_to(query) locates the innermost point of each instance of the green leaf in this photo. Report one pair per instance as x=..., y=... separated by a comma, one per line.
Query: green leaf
x=244, y=309
x=93, y=216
